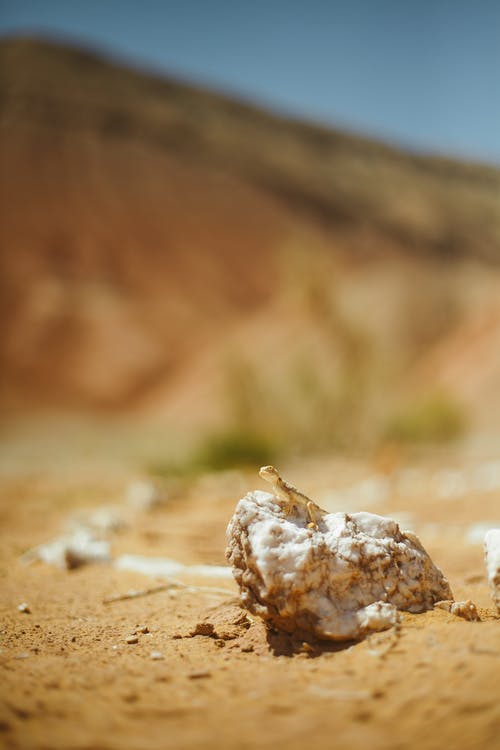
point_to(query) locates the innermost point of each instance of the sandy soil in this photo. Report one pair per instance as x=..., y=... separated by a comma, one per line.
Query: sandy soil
x=69, y=679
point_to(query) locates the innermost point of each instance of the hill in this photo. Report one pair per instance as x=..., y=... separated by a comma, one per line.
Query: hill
x=170, y=250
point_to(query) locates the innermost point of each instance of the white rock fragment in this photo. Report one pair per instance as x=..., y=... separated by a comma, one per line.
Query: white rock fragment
x=71, y=551
x=104, y=520
x=492, y=559
x=342, y=581
x=467, y=610
x=24, y=607
x=145, y=495
x=164, y=567
x=156, y=655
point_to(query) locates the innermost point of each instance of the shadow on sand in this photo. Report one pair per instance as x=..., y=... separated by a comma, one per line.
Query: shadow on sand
x=287, y=644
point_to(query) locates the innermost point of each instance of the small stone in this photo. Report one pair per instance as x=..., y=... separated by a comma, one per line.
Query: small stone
x=142, y=629
x=156, y=655
x=132, y=639
x=203, y=628
x=199, y=675
x=73, y=550
x=466, y=610
x=24, y=608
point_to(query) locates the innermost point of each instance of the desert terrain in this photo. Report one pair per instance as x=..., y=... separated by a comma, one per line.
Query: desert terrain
x=71, y=680
x=190, y=287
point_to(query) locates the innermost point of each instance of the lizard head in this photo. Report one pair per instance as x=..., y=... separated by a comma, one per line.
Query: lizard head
x=269, y=473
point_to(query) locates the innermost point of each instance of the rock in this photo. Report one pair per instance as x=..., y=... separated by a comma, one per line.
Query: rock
x=227, y=622
x=467, y=610
x=71, y=551
x=342, y=581
x=164, y=567
x=24, y=607
x=132, y=640
x=104, y=520
x=145, y=495
x=492, y=559
x=156, y=655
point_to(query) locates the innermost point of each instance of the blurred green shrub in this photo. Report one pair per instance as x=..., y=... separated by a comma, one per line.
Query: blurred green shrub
x=225, y=450
x=433, y=419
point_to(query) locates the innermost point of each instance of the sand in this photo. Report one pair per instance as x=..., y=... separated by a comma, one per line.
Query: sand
x=219, y=679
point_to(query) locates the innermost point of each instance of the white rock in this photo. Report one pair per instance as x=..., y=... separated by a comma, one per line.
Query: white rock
x=492, y=558
x=449, y=484
x=71, y=551
x=164, y=567
x=467, y=610
x=144, y=495
x=104, y=520
x=340, y=582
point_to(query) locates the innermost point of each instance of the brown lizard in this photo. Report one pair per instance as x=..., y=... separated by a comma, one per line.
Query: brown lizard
x=291, y=495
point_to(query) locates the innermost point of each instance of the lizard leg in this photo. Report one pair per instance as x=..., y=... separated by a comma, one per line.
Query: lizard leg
x=310, y=510
x=288, y=503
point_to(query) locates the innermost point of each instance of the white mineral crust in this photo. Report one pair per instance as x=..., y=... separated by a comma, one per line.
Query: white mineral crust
x=492, y=557
x=71, y=551
x=342, y=581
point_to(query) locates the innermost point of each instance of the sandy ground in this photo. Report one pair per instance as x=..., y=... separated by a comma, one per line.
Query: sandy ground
x=70, y=680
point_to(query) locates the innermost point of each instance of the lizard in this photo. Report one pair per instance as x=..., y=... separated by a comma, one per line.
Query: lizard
x=291, y=495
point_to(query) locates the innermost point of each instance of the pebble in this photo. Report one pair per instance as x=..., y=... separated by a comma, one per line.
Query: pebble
x=24, y=608
x=156, y=655
x=141, y=629
x=132, y=639
x=466, y=610
x=199, y=675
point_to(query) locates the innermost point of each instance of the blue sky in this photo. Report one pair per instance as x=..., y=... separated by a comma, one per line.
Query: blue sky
x=421, y=74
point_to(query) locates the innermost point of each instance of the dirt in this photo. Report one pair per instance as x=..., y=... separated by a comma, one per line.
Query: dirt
x=80, y=673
